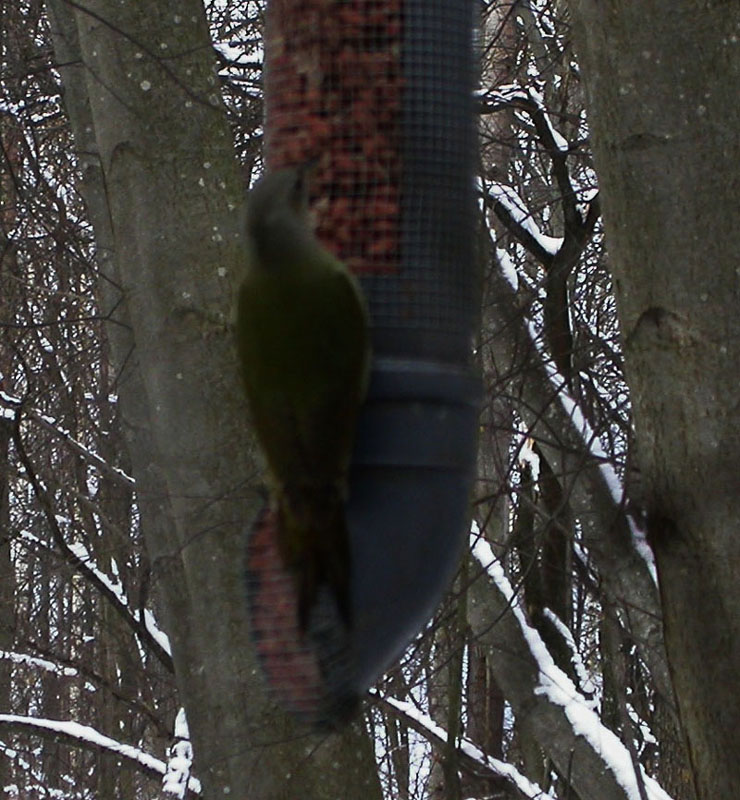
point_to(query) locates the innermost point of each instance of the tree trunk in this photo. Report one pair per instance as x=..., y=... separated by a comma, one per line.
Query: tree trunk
x=148, y=93
x=8, y=265
x=7, y=587
x=663, y=79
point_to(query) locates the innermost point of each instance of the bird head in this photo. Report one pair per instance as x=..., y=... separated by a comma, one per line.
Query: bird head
x=281, y=191
x=277, y=217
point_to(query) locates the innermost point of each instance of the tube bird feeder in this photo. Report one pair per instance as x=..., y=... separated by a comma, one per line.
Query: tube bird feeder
x=378, y=93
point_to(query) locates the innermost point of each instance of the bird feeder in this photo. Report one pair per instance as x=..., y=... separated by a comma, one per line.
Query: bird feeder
x=378, y=94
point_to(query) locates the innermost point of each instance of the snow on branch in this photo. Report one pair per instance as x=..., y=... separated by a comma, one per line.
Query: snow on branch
x=180, y=760
x=559, y=690
x=593, y=446
x=579, y=217
x=116, y=473
x=528, y=99
x=575, y=657
x=90, y=739
x=475, y=758
x=145, y=627
x=38, y=663
x=116, y=589
x=556, y=139
x=512, y=209
x=12, y=405
x=504, y=259
x=238, y=57
x=78, y=557
x=506, y=263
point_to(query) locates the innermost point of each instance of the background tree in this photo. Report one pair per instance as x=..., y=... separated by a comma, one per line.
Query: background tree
x=663, y=98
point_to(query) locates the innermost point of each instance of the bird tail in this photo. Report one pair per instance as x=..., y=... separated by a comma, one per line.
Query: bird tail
x=316, y=549
x=320, y=686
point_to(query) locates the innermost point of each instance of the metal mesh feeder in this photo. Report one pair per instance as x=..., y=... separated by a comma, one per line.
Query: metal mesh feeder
x=379, y=95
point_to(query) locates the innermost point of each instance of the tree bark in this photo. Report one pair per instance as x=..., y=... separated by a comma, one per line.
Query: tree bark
x=663, y=79
x=146, y=101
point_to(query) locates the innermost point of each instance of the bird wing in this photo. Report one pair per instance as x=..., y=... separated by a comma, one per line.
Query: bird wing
x=304, y=350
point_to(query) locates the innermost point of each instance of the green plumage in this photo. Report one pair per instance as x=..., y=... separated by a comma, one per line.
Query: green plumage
x=303, y=342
